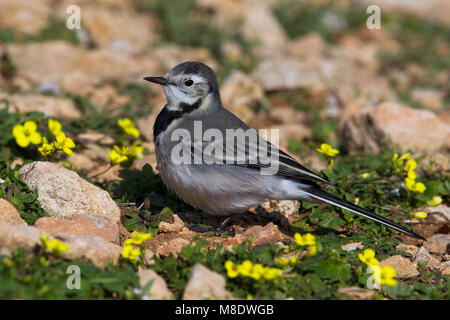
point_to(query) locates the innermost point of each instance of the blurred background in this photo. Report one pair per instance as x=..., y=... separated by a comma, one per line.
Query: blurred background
x=309, y=68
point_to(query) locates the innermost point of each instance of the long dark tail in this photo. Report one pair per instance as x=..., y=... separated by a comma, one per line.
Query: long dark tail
x=326, y=197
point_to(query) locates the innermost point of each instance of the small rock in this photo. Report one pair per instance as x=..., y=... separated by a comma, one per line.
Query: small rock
x=445, y=267
x=369, y=128
x=286, y=114
x=25, y=17
x=119, y=30
x=424, y=257
x=205, y=284
x=80, y=224
x=62, y=193
x=91, y=247
x=60, y=108
x=158, y=289
x=429, y=97
x=439, y=214
x=309, y=46
x=92, y=136
x=76, y=65
x=232, y=51
x=224, y=10
x=404, y=267
x=285, y=207
x=260, y=236
x=149, y=257
x=352, y=246
x=16, y=162
x=261, y=24
x=13, y=237
x=407, y=248
x=105, y=96
x=241, y=95
x=438, y=243
x=285, y=73
x=9, y=214
x=174, y=246
x=176, y=226
x=446, y=271
x=293, y=131
x=357, y=293
x=438, y=161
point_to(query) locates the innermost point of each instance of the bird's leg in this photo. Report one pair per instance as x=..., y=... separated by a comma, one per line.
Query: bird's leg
x=222, y=227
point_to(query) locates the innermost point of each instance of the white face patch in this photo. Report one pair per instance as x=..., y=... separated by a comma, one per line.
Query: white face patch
x=196, y=78
x=180, y=93
x=176, y=96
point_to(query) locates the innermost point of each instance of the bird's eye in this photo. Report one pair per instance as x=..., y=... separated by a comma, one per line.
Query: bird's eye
x=189, y=82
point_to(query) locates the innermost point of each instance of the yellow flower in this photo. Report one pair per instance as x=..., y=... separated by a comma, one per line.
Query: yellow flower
x=409, y=183
x=397, y=162
x=138, y=238
x=412, y=175
x=26, y=134
x=312, y=251
x=248, y=269
x=271, y=273
x=64, y=143
x=8, y=262
x=128, y=252
x=387, y=276
x=136, y=151
x=309, y=239
x=412, y=185
x=299, y=239
x=245, y=268
x=305, y=240
x=420, y=215
x=128, y=126
x=232, y=270
x=54, y=245
x=327, y=150
x=406, y=156
x=118, y=155
x=282, y=261
x=293, y=261
x=435, y=201
x=410, y=165
x=46, y=148
x=54, y=126
x=368, y=257
x=364, y=175
x=418, y=187
x=257, y=271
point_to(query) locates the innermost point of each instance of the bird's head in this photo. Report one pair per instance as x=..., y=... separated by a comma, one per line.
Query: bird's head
x=188, y=84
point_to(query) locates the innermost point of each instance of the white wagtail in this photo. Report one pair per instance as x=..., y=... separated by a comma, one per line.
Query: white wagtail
x=226, y=187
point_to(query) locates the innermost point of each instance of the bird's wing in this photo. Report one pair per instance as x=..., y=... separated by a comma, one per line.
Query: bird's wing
x=252, y=152
x=290, y=168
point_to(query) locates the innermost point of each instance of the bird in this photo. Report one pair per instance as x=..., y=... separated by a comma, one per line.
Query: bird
x=223, y=180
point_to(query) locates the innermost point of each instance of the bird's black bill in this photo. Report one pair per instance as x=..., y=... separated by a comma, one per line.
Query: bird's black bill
x=336, y=201
x=159, y=80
